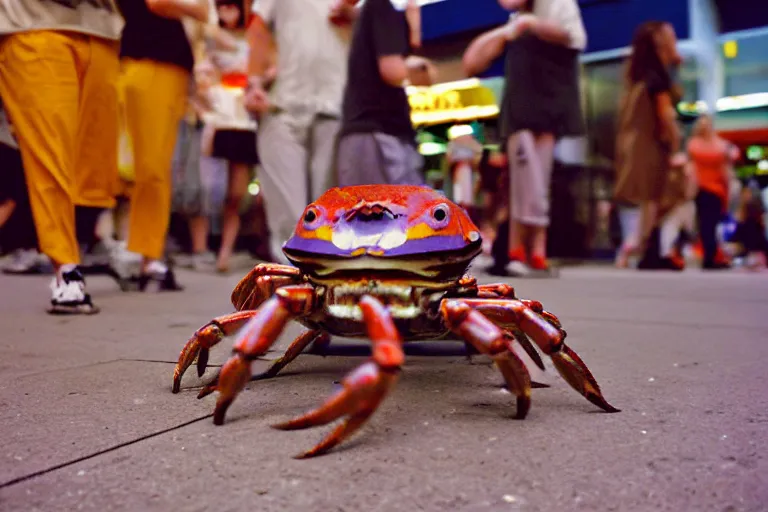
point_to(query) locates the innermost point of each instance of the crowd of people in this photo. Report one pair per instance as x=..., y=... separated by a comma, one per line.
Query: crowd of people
x=116, y=112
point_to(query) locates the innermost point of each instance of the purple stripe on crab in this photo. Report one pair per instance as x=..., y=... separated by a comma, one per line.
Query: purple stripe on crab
x=409, y=248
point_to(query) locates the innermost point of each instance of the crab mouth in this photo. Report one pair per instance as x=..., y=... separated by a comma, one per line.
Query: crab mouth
x=371, y=213
x=342, y=300
x=371, y=227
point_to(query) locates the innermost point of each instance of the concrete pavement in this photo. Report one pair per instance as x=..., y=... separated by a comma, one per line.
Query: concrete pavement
x=88, y=422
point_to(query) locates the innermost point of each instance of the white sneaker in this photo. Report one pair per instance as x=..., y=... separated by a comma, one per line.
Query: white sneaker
x=125, y=263
x=27, y=262
x=69, y=297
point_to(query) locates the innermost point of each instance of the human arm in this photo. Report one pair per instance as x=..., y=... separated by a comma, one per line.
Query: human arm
x=223, y=40
x=667, y=116
x=390, y=36
x=261, y=52
x=483, y=50
x=177, y=9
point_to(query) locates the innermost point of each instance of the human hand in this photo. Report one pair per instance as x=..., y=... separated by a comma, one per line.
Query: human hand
x=342, y=12
x=519, y=25
x=511, y=5
x=678, y=160
x=256, y=99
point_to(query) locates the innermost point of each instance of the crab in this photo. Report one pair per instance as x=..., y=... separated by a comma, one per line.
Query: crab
x=388, y=263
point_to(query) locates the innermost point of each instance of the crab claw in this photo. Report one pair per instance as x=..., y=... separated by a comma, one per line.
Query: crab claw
x=362, y=391
x=198, y=347
x=235, y=374
x=576, y=373
x=209, y=388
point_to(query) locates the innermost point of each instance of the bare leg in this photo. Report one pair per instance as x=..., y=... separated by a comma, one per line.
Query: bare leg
x=198, y=231
x=6, y=210
x=236, y=189
x=516, y=229
x=630, y=228
x=648, y=218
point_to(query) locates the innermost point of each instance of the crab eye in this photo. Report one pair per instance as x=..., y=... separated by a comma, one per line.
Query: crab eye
x=310, y=216
x=440, y=212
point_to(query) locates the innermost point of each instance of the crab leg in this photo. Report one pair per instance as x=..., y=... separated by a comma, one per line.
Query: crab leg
x=204, y=339
x=298, y=345
x=364, y=388
x=489, y=339
x=261, y=282
x=255, y=338
x=550, y=339
x=505, y=291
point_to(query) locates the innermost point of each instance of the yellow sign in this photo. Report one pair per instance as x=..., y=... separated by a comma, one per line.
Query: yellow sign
x=455, y=102
x=731, y=49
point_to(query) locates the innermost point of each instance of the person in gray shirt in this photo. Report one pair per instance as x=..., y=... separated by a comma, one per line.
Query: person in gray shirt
x=299, y=117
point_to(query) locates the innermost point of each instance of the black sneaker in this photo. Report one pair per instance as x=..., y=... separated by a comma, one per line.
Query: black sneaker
x=69, y=297
x=159, y=279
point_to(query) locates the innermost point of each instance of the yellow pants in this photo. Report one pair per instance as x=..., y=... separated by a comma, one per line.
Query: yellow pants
x=155, y=98
x=60, y=92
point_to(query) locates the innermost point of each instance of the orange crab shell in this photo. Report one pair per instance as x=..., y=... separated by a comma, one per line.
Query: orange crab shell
x=413, y=213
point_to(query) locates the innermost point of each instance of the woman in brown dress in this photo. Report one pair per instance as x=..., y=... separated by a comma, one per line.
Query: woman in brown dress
x=648, y=134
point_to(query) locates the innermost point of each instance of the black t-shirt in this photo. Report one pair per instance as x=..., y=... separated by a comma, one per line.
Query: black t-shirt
x=149, y=36
x=370, y=104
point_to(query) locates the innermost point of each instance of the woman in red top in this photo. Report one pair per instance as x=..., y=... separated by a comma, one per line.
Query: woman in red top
x=711, y=157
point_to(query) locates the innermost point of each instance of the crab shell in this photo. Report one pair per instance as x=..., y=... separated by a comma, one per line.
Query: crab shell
x=409, y=229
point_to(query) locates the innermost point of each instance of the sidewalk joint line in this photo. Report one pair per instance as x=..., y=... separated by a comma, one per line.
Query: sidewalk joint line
x=42, y=472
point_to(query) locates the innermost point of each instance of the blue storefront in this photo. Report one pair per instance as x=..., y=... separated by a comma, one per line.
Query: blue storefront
x=723, y=43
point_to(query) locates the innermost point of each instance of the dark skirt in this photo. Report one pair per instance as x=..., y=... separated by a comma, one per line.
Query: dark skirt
x=12, y=182
x=542, y=91
x=236, y=146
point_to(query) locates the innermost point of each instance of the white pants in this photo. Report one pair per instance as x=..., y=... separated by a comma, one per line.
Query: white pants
x=629, y=218
x=681, y=216
x=530, y=176
x=296, y=163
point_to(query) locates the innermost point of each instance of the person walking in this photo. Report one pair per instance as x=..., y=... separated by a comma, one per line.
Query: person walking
x=157, y=64
x=711, y=157
x=541, y=103
x=58, y=81
x=300, y=113
x=377, y=141
x=647, y=138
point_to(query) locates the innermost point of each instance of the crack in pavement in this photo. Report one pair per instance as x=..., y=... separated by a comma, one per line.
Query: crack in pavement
x=41, y=472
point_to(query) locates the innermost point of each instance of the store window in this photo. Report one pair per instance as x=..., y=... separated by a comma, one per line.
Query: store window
x=746, y=67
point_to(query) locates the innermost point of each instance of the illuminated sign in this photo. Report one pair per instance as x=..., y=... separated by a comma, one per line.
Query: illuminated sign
x=452, y=102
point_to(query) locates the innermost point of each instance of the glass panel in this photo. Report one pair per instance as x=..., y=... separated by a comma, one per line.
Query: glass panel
x=747, y=72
